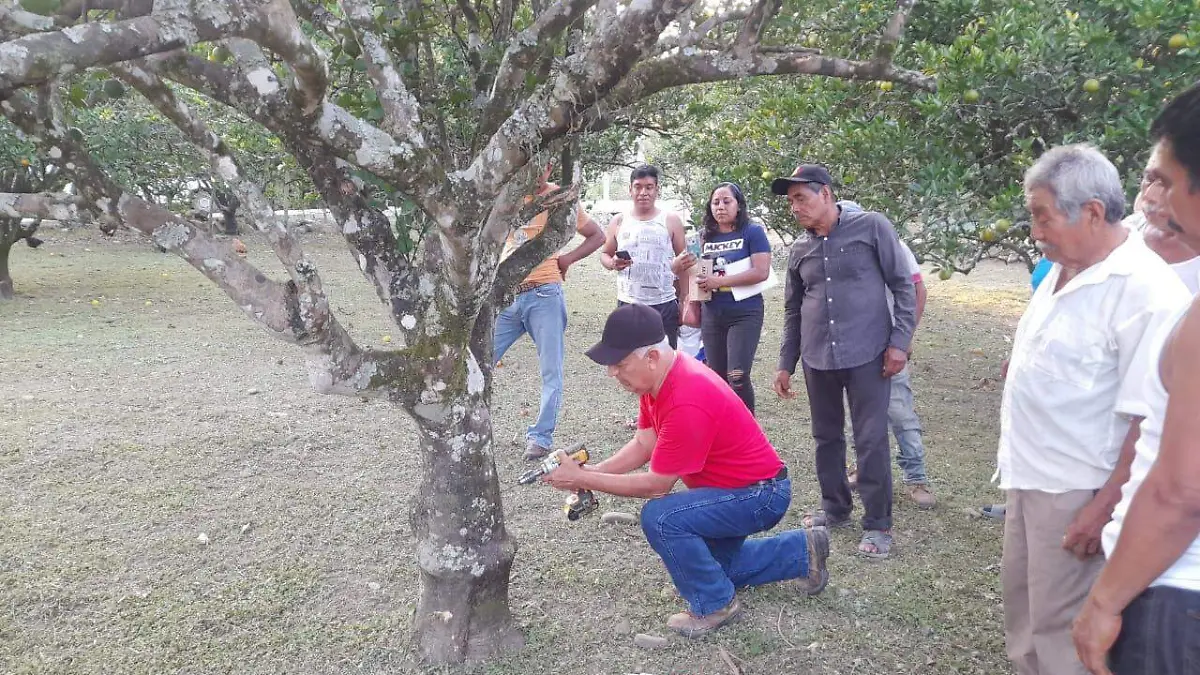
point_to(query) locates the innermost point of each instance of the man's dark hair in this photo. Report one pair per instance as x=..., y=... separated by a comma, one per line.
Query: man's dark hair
x=711, y=229
x=1179, y=125
x=644, y=171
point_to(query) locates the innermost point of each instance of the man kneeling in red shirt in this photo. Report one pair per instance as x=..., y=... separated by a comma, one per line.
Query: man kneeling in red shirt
x=694, y=428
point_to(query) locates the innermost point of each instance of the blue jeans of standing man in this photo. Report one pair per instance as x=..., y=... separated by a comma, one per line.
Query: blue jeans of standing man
x=1160, y=634
x=541, y=312
x=907, y=428
x=701, y=536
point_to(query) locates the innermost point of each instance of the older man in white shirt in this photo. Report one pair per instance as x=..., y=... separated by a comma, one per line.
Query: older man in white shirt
x=1065, y=418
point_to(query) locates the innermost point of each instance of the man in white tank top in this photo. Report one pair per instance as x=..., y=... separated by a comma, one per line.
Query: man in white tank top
x=644, y=247
x=1145, y=606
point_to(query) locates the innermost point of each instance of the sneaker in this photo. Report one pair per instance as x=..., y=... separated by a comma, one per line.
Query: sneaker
x=533, y=451
x=922, y=496
x=993, y=511
x=818, y=555
x=691, y=626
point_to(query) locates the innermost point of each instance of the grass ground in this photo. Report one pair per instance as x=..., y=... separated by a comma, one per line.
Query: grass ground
x=175, y=498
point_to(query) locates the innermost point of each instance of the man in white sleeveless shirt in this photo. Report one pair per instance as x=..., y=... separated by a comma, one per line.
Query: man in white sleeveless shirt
x=1067, y=409
x=650, y=242
x=1145, y=607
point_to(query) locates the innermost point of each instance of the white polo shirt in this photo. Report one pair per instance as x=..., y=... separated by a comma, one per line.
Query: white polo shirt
x=1067, y=374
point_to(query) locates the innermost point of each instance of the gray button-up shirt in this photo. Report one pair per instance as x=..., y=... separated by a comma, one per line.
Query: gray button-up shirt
x=835, y=309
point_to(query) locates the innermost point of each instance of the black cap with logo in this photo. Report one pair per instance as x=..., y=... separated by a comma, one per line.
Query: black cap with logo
x=627, y=328
x=805, y=173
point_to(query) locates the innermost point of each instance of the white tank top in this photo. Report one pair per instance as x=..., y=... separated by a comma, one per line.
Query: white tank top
x=1185, y=572
x=648, y=281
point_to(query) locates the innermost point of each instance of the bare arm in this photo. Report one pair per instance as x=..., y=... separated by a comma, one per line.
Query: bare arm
x=645, y=484
x=612, y=476
x=607, y=253
x=922, y=294
x=1164, y=517
x=679, y=245
x=633, y=455
x=593, y=239
x=1082, y=537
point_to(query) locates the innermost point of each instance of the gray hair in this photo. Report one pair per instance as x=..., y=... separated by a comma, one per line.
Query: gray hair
x=1075, y=175
x=661, y=347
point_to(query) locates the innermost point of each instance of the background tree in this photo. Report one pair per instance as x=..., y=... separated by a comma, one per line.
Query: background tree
x=439, y=113
x=23, y=177
x=1014, y=78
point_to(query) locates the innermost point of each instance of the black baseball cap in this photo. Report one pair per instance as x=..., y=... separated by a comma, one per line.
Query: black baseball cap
x=627, y=328
x=805, y=173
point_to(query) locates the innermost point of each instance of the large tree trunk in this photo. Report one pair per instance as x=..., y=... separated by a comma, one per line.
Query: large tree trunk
x=464, y=552
x=6, y=282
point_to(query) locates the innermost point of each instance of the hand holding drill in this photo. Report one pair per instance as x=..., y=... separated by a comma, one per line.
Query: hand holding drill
x=563, y=469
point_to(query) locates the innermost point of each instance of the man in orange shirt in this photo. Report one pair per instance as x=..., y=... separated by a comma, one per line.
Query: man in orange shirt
x=541, y=311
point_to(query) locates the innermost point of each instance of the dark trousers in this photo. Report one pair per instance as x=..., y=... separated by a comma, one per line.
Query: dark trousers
x=869, y=393
x=669, y=311
x=1160, y=634
x=730, y=333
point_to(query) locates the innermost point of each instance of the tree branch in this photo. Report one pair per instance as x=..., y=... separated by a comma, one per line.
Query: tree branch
x=587, y=78
x=889, y=40
x=224, y=164
x=692, y=37
x=16, y=21
x=296, y=311
x=39, y=57
x=561, y=205
x=756, y=22
x=522, y=53
x=283, y=35
x=401, y=112
x=48, y=205
x=677, y=70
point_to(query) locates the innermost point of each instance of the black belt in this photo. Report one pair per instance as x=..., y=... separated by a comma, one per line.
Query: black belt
x=782, y=475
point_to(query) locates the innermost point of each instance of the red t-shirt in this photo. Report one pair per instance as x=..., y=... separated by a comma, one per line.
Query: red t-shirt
x=706, y=435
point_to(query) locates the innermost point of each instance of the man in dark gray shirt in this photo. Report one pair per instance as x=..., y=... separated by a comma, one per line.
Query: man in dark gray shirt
x=837, y=324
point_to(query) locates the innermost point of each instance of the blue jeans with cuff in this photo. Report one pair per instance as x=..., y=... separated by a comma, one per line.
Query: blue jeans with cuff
x=701, y=536
x=541, y=312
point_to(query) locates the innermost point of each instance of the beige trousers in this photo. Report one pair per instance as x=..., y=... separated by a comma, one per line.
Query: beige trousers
x=1044, y=584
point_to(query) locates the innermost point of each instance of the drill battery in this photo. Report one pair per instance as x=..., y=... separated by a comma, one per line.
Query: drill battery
x=579, y=504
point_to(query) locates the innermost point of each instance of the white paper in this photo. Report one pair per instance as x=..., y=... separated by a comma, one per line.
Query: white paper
x=742, y=292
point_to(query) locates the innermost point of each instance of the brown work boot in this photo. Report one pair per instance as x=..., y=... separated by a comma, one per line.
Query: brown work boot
x=533, y=451
x=691, y=626
x=818, y=555
x=922, y=496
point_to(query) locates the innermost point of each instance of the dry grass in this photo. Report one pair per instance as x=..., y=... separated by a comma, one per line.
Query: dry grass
x=128, y=429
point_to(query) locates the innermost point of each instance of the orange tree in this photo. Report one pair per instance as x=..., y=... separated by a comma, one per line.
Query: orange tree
x=1014, y=78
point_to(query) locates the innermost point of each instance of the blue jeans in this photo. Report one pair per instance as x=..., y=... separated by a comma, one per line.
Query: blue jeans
x=701, y=535
x=541, y=312
x=1160, y=634
x=907, y=428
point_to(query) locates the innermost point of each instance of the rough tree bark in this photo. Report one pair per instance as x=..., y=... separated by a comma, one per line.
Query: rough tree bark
x=540, y=74
x=6, y=282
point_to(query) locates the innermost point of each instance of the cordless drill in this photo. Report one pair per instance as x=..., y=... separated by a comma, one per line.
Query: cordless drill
x=581, y=502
